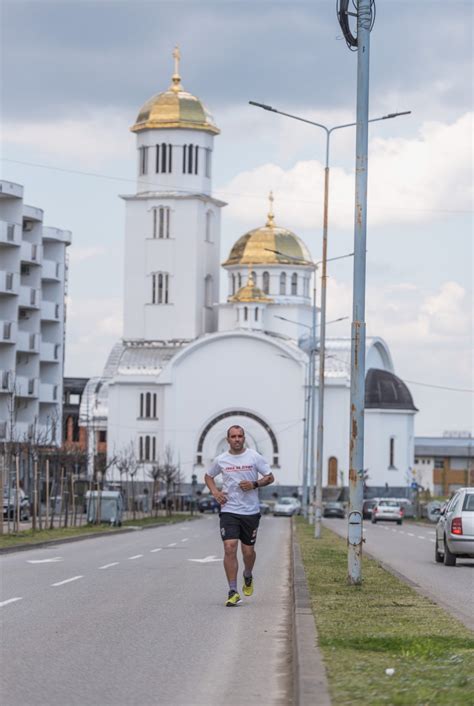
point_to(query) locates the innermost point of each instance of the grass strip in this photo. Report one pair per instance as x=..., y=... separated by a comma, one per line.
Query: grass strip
x=382, y=624
x=24, y=537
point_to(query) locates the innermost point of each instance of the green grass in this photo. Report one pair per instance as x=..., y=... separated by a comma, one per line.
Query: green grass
x=363, y=630
x=29, y=536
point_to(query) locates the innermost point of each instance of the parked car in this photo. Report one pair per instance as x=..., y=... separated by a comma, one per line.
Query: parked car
x=367, y=508
x=10, y=506
x=455, y=528
x=334, y=509
x=177, y=501
x=264, y=508
x=287, y=507
x=387, y=511
x=208, y=504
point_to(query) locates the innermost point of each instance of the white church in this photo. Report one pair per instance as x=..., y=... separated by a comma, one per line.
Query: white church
x=189, y=365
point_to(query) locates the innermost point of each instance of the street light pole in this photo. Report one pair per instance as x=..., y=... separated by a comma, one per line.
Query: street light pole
x=322, y=339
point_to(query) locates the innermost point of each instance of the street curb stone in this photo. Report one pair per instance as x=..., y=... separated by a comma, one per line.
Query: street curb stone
x=309, y=673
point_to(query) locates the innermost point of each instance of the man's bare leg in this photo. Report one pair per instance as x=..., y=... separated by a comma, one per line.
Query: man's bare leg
x=231, y=564
x=249, y=556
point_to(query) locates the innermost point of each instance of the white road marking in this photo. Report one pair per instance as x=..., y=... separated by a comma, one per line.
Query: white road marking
x=394, y=530
x=136, y=556
x=155, y=550
x=61, y=583
x=433, y=540
x=401, y=531
x=53, y=560
x=10, y=600
x=185, y=539
x=410, y=534
x=173, y=544
x=420, y=536
x=206, y=559
x=107, y=566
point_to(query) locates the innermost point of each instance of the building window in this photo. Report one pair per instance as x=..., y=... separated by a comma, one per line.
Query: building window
x=164, y=159
x=256, y=314
x=294, y=283
x=160, y=288
x=246, y=313
x=266, y=282
x=283, y=283
x=143, y=160
x=209, y=226
x=239, y=280
x=391, y=459
x=161, y=222
x=332, y=471
x=208, y=291
x=102, y=437
x=190, y=159
x=208, y=153
x=233, y=284
x=147, y=448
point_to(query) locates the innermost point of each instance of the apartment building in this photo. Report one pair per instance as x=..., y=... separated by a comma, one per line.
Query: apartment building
x=33, y=277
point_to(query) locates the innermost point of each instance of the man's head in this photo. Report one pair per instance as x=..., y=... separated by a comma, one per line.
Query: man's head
x=235, y=438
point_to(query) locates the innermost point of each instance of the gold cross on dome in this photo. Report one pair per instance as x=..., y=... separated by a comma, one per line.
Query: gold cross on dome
x=177, y=57
x=271, y=221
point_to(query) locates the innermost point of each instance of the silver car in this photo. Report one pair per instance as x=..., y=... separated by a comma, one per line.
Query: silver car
x=455, y=528
x=387, y=510
x=286, y=507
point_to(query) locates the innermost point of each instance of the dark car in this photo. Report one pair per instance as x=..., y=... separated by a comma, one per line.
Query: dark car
x=208, y=504
x=177, y=501
x=367, y=508
x=334, y=509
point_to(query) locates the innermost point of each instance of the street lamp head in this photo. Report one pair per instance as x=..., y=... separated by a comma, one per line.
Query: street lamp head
x=263, y=105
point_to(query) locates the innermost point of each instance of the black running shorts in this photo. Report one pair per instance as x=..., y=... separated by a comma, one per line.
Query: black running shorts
x=243, y=527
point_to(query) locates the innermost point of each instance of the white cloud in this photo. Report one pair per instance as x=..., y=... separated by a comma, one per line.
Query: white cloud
x=93, y=326
x=410, y=180
x=90, y=141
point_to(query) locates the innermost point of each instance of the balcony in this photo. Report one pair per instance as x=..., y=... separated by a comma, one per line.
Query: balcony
x=27, y=342
x=26, y=387
x=30, y=253
x=10, y=233
x=51, y=270
x=50, y=311
x=29, y=298
x=48, y=392
x=9, y=283
x=50, y=352
x=8, y=331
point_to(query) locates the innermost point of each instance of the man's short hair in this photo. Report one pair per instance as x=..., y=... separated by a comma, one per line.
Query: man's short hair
x=235, y=426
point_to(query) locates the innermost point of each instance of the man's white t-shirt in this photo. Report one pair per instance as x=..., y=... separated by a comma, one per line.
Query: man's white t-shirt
x=235, y=468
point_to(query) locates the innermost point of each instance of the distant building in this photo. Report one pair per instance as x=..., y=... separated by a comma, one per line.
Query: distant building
x=443, y=464
x=189, y=366
x=33, y=276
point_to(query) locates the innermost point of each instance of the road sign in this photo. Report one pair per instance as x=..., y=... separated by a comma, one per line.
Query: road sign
x=414, y=486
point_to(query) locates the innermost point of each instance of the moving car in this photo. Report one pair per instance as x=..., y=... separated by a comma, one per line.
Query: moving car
x=208, y=504
x=10, y=506
x=286, y=507
x=388, y=511
x=455, y=528
x=367, y=508
x=334, y=509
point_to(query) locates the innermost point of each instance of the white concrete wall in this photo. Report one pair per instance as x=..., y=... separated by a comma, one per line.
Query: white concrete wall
x=380, y=426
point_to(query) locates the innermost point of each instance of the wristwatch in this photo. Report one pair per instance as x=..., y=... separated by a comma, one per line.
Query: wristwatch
x=255, y=484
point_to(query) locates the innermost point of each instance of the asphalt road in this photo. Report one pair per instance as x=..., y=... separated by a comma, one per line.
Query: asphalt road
x=139, y=618
x=409, y=550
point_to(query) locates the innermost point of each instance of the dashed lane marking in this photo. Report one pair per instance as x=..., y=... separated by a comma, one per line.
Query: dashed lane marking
x=420, y=536
x=135, y=556
x=173, y=544
x=158, y=549
x=185, y=539
x=107, y=566
x=410, y=534
x=11, y=600
x=61, y=583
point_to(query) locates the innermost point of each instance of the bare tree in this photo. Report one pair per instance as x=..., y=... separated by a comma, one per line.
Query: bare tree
x=171, y=474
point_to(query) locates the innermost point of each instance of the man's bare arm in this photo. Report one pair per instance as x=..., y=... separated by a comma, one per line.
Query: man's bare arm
x=214, y=490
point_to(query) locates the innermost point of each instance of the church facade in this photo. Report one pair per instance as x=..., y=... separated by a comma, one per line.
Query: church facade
x=189, y=365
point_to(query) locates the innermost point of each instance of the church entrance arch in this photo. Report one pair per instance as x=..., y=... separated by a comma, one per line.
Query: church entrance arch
x=237, y=413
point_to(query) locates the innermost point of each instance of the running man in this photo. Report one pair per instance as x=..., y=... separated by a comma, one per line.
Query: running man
x=240, y=509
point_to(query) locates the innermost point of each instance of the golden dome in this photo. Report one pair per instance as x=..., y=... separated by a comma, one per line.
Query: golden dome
x=175, y=108
x=250, y=293
x=257, y=246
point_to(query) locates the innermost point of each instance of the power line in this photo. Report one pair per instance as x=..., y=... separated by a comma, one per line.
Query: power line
x=439, y=387
x=168, y=188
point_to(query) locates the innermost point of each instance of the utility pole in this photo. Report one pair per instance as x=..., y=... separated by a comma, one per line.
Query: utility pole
x=357, y=396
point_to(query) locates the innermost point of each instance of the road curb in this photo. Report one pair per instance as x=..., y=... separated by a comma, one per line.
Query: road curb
x=309, y=673
x=79, y=537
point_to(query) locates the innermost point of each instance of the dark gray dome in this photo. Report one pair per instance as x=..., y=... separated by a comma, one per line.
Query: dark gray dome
x=384, y=390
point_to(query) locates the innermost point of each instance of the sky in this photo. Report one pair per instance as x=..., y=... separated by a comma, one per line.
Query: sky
x=75, y=73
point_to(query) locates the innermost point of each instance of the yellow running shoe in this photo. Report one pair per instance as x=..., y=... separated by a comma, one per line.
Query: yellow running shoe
x=247, y=588
x=233, y=599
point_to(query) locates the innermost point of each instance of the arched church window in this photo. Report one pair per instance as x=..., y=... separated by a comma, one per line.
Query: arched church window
x=239, y=280
x=164, y=158
x=256, y=313
x=253, y=275
x=246, y=313
x=266, y=282
x=294, y=283
x=233, y=284
x=147, y=448
x=148, y=405
x=283, y=283
x=160, y=288
x=143, y=160
x=161, y=222
x=391, y=454
x=208, y=291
